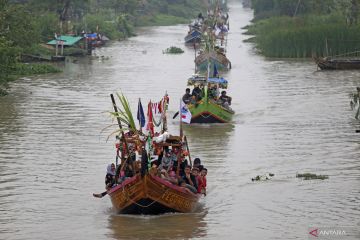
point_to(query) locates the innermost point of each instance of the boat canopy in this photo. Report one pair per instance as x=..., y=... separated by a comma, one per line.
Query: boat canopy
x=66, y=40
x=196, y=79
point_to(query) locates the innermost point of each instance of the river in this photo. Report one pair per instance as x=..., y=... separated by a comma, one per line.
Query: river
x=290, y=118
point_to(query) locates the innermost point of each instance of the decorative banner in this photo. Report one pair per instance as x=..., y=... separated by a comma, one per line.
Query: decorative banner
x=185, y=113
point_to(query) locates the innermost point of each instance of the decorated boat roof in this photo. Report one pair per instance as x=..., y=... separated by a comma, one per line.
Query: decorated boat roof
x=197, y=79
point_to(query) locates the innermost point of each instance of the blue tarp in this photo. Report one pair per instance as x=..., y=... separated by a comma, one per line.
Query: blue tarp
x=91, y=35
x=218, y=80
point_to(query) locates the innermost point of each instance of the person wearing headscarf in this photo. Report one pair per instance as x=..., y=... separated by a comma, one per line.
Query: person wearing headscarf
x=109, y=180
x=110, y=175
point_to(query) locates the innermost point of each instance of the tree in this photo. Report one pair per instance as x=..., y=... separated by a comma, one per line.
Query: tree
x=17, y=25
x=8, y=55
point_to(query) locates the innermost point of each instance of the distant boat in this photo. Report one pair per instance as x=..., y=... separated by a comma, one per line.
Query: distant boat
x=328, y=63
x=216, y=57
x=208, y=110
x=194, y=36
x=195, y=31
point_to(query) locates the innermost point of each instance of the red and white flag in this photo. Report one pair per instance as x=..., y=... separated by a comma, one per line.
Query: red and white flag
x=185, y=114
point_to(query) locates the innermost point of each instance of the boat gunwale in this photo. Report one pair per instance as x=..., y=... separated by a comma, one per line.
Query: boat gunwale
x=216, y=105
x=209, y=113
x=157, y=179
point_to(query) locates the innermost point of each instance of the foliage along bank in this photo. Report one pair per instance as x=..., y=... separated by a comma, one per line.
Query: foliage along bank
x=305, y=28
x=25, y=24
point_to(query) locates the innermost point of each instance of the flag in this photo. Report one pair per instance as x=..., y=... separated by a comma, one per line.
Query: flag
x=140, y=114
x=216, y=73
x=185, y=113
x=150, y=124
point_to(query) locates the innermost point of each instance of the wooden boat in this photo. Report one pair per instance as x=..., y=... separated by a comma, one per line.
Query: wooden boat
x=208, y=110
x=146, y=192
x=194, y=36
x=195, y=31
x=337, y=64
x=214, y=57
x=214, y=41
x=151, y=195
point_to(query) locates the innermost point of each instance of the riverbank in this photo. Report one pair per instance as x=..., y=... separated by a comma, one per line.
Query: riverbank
x=25, y=69
x=37, y=23
x=309, y=31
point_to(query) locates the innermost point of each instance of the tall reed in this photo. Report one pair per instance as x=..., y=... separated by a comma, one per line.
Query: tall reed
x=305, y=36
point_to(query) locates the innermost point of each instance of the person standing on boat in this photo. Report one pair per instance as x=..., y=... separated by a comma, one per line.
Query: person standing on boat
x=187, y=96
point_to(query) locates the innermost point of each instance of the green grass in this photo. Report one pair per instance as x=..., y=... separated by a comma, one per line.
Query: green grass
x=306, y=36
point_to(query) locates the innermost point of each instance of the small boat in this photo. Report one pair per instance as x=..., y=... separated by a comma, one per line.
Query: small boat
x=328, y=63
x=214, y=42
x=195, y=31
x=217, y=58
x=209, y=109
x=194, y=36
x=146, y=192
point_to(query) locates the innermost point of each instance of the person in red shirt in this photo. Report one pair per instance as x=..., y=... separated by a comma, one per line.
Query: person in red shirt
x=201, y=178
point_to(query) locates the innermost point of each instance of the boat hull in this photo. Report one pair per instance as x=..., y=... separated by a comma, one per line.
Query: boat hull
x=193, y=37
x=337, y=64
x=220, y=60
x=151, y=195
x=208, y=112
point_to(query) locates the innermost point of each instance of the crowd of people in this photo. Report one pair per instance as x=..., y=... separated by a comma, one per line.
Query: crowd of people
x=198, y=93
x=164, y=165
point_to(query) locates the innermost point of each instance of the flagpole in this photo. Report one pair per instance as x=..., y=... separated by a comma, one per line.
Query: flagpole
x=195, y=56
x=181, y=130
x=164, y=105
x=206, y=87
x=121, y=129
x=139, y=117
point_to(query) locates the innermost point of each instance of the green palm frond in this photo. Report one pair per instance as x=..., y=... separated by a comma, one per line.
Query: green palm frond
x=124, y=113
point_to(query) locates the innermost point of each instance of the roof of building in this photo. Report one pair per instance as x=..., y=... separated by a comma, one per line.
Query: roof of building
x=68, y=40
